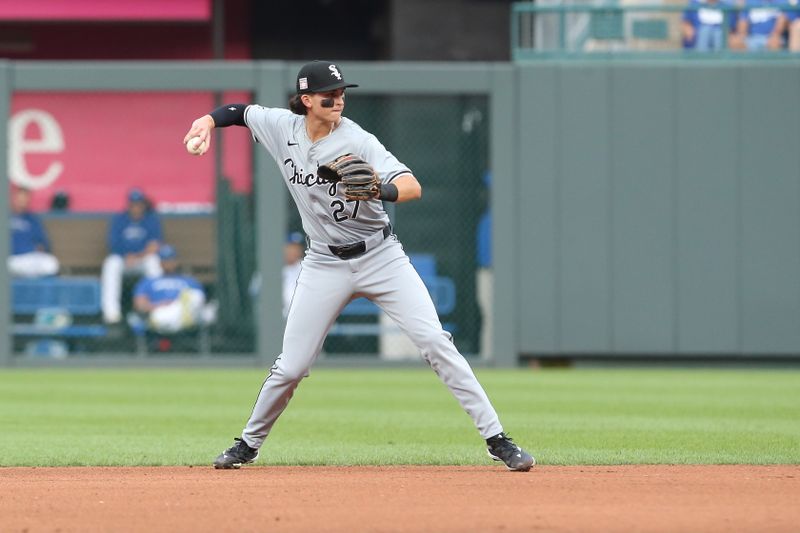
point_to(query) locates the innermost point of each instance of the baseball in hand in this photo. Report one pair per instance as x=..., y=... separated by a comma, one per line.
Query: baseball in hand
x=195, y=147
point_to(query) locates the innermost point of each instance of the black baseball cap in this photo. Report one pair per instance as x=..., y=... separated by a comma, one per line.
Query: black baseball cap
x=319, y=77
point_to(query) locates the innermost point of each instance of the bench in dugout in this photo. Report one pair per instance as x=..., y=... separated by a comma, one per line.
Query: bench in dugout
x=78, y=240
x=442, y=291
x=62, y=310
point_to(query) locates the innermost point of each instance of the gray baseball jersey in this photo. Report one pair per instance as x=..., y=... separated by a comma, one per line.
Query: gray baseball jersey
x=326, y=283
x=328, y=217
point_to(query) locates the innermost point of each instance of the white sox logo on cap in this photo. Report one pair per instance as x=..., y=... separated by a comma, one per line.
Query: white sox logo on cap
x=320, y=77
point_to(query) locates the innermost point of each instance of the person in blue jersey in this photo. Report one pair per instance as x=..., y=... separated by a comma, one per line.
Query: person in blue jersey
x=134, y=237
x=703, y=22
x=30, y=249
x=760, y=26
x=172, y=301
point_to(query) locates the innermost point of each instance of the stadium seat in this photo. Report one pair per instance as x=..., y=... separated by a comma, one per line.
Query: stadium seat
x=61, y=297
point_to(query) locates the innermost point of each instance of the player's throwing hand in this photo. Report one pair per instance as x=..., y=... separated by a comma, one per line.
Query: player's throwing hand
x=198, y=140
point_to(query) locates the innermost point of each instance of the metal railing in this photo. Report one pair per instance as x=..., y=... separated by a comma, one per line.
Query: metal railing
x=612, y=30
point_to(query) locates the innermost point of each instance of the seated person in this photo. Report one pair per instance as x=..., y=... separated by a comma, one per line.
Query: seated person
x=134, y=237
x=30, y=250
x=293, y=253
x=760, y=28
x=702, y=23
x=172, y=301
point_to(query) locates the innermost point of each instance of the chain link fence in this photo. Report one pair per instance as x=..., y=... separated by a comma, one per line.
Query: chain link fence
x=444, y=141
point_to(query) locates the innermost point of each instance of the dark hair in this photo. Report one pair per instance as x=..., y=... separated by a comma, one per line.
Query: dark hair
x=297, y=106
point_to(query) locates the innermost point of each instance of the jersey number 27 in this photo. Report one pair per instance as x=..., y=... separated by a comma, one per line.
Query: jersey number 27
x=338, y=210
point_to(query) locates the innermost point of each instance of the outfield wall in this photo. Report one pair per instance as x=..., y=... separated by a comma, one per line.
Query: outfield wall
x=661, y=208
x=639, y=208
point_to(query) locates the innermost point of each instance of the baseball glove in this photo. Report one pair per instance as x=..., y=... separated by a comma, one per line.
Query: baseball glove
x=359, y=178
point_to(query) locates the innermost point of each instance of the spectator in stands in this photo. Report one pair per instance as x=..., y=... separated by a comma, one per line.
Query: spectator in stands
x=760, y=28
x=134, y=237
x=703, y=22
x=793, y=21
x=293, y=252
x=30, y=249
x=172, y=301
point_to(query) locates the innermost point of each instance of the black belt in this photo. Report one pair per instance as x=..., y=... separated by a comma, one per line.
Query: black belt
x=355, y=249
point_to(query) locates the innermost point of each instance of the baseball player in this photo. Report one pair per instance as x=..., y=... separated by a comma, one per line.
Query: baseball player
x=172, y=301
x=133, y=240
x=338, y=176
x=30, y=248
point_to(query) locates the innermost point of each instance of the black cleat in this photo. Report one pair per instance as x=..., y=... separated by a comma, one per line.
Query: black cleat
x=502, y=448
x=237, y=455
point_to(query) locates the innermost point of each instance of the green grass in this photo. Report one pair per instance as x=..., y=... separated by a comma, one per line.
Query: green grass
x=183, y=417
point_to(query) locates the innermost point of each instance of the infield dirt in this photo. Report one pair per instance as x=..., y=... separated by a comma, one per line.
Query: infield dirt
x=402, y=499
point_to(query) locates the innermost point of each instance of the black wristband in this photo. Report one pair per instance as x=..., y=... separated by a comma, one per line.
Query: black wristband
x=229, y=115
x=388, y=192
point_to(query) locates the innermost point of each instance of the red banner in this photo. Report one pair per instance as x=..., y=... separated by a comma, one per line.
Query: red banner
x=97, y=146
x=198, y=10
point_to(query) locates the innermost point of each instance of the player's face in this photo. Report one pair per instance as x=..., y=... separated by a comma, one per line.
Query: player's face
x=329, y=105
x=136, y=209
x=169, y=265
x=22, y=199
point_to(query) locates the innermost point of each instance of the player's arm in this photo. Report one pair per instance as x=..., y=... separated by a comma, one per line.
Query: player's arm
x=151, y=248
x=400, y=184
x=221, y=117
x=142, y=304
x=114, y=239
x=774, y=41
x=743, y=26
x=408, y=188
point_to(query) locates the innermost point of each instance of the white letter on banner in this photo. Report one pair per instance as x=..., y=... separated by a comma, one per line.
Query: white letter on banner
x=51, y=142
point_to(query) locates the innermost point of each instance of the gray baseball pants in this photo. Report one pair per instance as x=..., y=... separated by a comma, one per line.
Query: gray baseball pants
x=325, y=285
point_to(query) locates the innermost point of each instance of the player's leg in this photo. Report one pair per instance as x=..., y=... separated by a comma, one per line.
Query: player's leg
x=32, y=265
x=794, y=35
x=16, y=266
x=323, y=289
x=111, y=287
x=48, y=264
x=192, y=303
x=397, y=288
x=167, y=318
x=150, y=266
